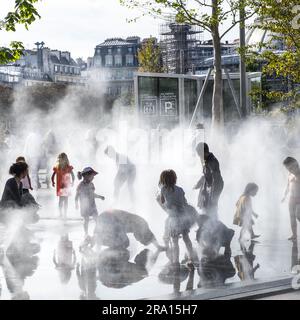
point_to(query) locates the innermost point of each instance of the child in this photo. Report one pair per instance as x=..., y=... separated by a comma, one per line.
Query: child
x=126, y=172
x=26, y=182
x=113, y=227
x=172, y=200
x=293, y=188
x=244, y=211
x=63, y=172
x=86, y=196
x=26, y=185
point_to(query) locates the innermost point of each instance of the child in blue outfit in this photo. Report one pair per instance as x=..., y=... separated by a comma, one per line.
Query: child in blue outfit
x=85, y=195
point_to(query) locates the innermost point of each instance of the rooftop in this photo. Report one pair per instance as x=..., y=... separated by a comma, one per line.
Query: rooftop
x=114, y=42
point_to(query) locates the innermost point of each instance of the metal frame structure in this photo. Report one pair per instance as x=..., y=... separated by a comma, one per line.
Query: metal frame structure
x=202, y=82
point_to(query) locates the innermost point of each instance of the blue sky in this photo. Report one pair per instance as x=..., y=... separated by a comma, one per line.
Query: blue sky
x=79, y=25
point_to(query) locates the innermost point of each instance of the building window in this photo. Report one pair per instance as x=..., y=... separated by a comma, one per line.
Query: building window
x=98, y=51
x=108, y=60
x=129, y=60
x=129, y=74
x=118, y=60
x=130, y=50
x=98, y=61
x=109, y=51
x=118, y=75
x=56, y=68
x=119, y=50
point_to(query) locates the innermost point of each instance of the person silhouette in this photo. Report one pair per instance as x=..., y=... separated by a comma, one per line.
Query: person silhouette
x=244, y=263
x=117, y=271
x=86, y=272
x=64, y=258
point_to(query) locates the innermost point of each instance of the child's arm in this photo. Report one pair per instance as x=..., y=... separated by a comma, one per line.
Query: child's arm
x=255, y=215
x=199, y=183
x=54, y=259
x=73, y=177
x=52, y=179
x=98, y=196
x=161, y=200
x=77, y=198
x=287, y=190
x=249, y=209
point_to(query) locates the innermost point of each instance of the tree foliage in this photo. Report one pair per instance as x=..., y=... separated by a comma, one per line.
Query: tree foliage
x=212, y=16
x=205, y=13
x=24, y=13
x=281, y=19
x=149, y=57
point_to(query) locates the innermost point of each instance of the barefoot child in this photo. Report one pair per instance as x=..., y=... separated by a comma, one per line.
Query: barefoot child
x=172, y=200
x=126, y=173
x=293, y=189
x=244, y=212
x=86, y=195
x=64, y=181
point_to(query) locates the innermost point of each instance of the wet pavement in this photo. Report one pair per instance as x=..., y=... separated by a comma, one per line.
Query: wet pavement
x=53, y=264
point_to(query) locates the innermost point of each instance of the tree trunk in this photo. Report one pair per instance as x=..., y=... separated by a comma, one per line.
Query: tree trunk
x=217, y=102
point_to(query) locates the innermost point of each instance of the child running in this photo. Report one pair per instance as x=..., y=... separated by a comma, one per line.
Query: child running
x=64, y=181
x=172, y=200
x=244, y=212
x=86, y=196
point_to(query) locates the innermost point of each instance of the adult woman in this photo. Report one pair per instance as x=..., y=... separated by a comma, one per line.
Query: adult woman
x=12, y=197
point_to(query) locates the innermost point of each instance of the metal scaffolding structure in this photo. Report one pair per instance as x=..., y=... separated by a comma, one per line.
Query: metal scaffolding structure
x=179, y=44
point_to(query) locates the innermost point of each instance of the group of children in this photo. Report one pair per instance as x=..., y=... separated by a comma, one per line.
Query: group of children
x=181, y=215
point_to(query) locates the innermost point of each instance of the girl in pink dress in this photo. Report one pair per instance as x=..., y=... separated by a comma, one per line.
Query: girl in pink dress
x=65, y=178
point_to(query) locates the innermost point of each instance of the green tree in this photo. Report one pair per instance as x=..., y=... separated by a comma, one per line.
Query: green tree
x=209, y=15
x=149, y=57
x=24, y=13
x=281, y=19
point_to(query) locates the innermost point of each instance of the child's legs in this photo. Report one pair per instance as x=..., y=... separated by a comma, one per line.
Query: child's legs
x=86, y=225
x=188, y=244
x=118, y=183
x=130, y=183
x=95, y=216
x=66, y=205
x=175, y=249
x=292, y=208
x=60, y=205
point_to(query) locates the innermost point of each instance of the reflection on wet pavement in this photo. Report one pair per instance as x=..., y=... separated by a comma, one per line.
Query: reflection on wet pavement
x=50, y=261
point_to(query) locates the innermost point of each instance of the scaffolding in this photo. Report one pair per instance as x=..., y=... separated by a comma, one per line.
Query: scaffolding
x=179, y=43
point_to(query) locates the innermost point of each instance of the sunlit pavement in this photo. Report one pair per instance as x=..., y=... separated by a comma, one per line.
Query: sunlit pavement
x=42, y=279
